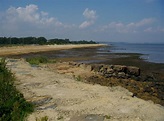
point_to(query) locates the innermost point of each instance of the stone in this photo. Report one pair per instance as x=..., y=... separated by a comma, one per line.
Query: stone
x=119, y=68
x=41, y=100
x=96, y=67
x=89, y=68
x=121, y=75
x=110, y=71
x=131, y=70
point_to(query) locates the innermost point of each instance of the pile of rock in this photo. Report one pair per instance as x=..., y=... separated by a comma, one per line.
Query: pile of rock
x=117, y=71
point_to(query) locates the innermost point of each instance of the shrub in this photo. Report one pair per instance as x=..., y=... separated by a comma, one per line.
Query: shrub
x=13, y=106
x=78, y=78
x=37, y=60
x=45, y=118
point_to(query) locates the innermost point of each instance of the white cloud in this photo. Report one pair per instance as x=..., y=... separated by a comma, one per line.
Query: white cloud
x=27, y=14
x=144, y=22
x=30, y=15
x=154, y=30
x=89, y=14
x=30, y=21
x=150, y=29
x=132, y=27
x=85, y=24
x=91, y=17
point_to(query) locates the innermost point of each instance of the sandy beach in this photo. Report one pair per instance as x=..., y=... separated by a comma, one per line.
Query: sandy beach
x=17, y=50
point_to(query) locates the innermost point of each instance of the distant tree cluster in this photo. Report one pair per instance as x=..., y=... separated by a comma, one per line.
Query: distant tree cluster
x=39, y=41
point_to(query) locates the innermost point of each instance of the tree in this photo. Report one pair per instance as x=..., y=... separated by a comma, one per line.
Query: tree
x=41, y=40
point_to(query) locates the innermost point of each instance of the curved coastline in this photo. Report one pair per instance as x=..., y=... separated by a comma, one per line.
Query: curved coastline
x=18, y=50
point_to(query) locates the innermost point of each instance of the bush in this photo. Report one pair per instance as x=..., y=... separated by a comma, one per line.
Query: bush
x=37, y=60
x=13, y=106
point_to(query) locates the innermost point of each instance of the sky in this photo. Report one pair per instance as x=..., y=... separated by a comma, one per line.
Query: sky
x=134, y=21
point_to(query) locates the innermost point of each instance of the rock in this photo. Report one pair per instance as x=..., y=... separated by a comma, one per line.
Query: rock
x=83, y=66
x=117, y=71
x=89, y=68
x=47, y=106
x=37, y=101
x=131, y=70
x=110, y=71
x=121, y=75
x=119, y=68
x=96, y=67
x=72, y=63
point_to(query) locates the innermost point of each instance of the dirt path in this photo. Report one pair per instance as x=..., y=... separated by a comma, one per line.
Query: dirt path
x=61, y=97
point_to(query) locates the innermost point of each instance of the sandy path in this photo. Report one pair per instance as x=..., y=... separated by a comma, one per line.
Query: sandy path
x=15, y=50
x=60, y=97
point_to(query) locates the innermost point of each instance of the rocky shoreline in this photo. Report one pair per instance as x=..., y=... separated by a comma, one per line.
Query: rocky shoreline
x=117, y=71
x=147, y=83
x=129, y=77
x=144, y=80
x=59, y=93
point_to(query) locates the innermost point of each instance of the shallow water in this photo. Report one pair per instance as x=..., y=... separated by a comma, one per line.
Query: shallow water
x=151, y=52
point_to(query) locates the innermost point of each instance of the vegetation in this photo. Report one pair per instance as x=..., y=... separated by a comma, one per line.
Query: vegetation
x=40, y=41
x=13, y=106
x=45, y=118
x=78, y=78
x=107, y=116
x=37, y=60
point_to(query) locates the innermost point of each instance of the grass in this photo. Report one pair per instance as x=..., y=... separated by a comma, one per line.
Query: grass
x=37, y=60
x=107, y=116
x=78, y=78
x=45, y=118
x=13, y=106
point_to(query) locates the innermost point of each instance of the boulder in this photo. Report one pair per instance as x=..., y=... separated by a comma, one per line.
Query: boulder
x=131, y=70
x=119, y=68
x=41, y=100
x=97, y=67
x=110, y=71
x=118, y=71
x=121, y=75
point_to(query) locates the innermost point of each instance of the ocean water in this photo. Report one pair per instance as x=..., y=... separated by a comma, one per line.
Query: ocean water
x=151, y=52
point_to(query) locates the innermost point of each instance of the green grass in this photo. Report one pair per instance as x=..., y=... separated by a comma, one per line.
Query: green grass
x=78, y=78
x=37, y=60
x=107, y=116
x=45, y=118
x=13, y=106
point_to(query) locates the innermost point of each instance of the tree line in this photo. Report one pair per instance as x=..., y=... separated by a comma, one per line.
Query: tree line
x=39, y=41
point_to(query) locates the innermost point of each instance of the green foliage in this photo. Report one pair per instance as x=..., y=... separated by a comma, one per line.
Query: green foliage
x=45, y=118
x=37, y=60
x=40, y=41
x=13, y=106
x=78, y=78
x=107, y=116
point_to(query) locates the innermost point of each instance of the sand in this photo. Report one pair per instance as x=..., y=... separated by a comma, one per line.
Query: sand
x=17, y=50
x=63, y=97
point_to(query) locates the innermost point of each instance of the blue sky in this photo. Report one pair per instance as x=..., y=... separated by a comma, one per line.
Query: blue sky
x=135, y=21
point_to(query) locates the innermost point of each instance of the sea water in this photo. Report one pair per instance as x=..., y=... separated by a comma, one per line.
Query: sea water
x=151, y=52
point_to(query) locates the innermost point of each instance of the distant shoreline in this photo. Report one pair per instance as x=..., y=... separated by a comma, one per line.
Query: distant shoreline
x=17, y=50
